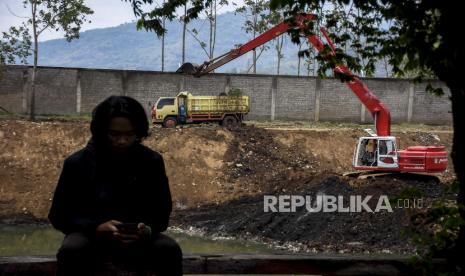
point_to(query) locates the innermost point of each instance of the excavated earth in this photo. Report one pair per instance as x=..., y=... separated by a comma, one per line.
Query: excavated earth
x=218, y=178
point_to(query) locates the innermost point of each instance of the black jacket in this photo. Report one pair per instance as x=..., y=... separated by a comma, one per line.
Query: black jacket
x=95, y=187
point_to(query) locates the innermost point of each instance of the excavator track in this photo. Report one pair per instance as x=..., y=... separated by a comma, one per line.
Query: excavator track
x=377, y=174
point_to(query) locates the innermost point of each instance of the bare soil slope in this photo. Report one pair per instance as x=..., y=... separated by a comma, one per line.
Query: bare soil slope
x=218, y=176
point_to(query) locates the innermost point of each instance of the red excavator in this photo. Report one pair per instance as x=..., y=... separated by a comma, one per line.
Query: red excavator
x=377, y=152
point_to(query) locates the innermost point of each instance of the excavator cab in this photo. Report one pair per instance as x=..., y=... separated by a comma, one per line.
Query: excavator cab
x=376, y=152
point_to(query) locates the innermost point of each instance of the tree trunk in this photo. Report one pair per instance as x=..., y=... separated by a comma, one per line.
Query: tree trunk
x=163, y=53
x=254, y=34
x=210, y=55
x=32, y=111
x=184, y=26
x=449, y=70
x=279, y=48
x=458, y=154
x=163, y=45
x=298, y=63
x=254, y=62
x=214, y=32
x=315, y=67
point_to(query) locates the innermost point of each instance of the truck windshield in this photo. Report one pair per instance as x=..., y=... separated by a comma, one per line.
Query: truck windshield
x=163, y=102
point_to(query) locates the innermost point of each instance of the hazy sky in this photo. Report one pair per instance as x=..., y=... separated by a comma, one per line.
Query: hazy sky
x=107, y=13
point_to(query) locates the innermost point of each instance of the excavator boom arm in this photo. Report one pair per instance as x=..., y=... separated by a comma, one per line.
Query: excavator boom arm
x=379, y=111
x=270, y=34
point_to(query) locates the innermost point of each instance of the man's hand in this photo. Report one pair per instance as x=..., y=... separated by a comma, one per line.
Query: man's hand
x=143, y=231
x=108, y=227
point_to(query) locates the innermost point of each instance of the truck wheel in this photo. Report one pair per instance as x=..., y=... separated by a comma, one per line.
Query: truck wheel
x=229, y=121
x=170, y=122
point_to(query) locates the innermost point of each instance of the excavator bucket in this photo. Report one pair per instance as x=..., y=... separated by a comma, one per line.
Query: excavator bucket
x=187, y=68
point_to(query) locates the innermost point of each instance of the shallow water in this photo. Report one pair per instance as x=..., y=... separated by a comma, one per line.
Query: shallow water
x=22, y=240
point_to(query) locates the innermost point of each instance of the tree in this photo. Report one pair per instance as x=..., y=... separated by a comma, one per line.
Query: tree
x=163, y=45
x=184, y=28
x=417, y=37
x=64, y=15
x=15, y=44
x=299, y=59
x=211, y=15
x=155, y=19
x=275, y=17
x=257, y=16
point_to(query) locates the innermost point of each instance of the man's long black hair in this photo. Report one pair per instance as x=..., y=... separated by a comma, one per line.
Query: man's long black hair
x=118, y=106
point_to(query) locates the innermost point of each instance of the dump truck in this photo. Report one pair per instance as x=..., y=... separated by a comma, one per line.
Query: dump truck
x=186, y=108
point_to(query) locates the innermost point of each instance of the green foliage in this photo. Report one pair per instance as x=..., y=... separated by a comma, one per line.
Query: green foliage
x=257, y=20
x=434, y=90
x=65, y=15
x=256, y=13
x=68, y=15
x=413, y=36
x=15, y=43
x=211, y=17
x=407, y=193
x=152, y=20
x=235, y=92
x=435, y=233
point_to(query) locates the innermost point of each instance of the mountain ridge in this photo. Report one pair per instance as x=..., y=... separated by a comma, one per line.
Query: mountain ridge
x=123, y=47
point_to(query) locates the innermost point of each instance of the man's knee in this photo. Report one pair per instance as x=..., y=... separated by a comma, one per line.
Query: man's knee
x=74, y=245
x=168, y=256
x=167, y=246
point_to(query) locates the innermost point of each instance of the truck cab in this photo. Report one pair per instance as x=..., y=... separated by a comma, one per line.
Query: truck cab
x=166, y=111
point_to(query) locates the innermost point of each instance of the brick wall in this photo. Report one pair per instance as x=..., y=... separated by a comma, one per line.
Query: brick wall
x=394, y=94
x=295, y=98
x=259, y=91
x=338, y=102
x=96, y=85
x=55, y=91
x=75, y=91
x=428, y=108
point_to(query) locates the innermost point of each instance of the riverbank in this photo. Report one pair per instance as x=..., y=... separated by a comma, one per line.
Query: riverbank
x=219, y=178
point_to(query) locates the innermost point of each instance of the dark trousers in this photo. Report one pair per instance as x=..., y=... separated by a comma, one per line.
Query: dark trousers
x=83, y=255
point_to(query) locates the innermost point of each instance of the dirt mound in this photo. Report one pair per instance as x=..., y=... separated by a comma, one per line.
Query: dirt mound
x=218, y=178
x=31, y=157
x=256, y=161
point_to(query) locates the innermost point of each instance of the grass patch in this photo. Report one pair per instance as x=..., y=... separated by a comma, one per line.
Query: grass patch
x=297, y=124
x=65, y=118
x=46, y=118
x=301, y=124
x=342, y=125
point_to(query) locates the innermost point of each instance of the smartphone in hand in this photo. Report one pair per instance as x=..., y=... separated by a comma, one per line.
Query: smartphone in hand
x=127, y=227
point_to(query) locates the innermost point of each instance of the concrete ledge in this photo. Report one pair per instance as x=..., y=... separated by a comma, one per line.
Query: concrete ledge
x=241, y=264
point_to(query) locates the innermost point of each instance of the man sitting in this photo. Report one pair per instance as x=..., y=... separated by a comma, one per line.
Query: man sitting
x=369, y=156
